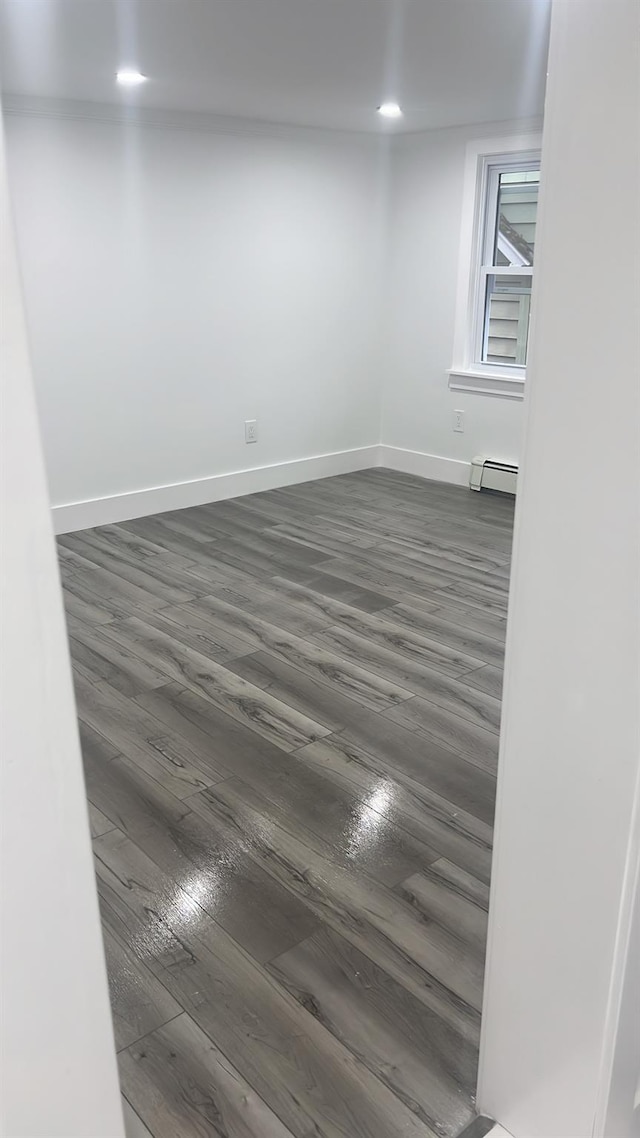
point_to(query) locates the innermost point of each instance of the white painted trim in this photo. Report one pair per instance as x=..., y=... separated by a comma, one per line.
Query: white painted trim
x=569, y=736
x=620, y=1075
x=481, y=153
x=504, y=128
x=432, y=466
x=140, y=503
x=486, y=383
x=74, y=516
x=158, y=117
x=55, y=1029
x=35, y=106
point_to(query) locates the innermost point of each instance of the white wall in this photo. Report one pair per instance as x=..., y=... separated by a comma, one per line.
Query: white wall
x=59, y=1075
x=180, y=281
x=566, y=853
x=424, y=239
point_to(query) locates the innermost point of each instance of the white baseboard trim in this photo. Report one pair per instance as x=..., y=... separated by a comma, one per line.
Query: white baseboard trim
x=179, y=495
x=425, y=465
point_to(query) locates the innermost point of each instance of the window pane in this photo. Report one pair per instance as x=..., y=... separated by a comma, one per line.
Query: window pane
x=516, y=218
x=506, y=323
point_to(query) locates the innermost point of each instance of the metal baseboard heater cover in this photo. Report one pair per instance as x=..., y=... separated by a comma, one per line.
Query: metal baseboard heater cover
x=489, y=474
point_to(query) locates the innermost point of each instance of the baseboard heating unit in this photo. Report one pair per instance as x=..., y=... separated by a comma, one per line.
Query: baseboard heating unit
x=489, y=474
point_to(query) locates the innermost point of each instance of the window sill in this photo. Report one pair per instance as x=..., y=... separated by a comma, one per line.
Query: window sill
x=486, y=383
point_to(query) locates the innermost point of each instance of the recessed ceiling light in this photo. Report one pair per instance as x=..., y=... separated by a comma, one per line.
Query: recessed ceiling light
x=127, y=77
x=390, y=111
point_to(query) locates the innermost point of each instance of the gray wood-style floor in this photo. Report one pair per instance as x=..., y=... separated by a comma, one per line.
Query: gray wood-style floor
x=289, y=708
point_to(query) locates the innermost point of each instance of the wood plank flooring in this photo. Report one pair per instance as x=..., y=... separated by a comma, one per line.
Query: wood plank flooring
x=289, y=709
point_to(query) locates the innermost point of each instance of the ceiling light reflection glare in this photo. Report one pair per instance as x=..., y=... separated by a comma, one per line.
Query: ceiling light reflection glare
x=127, y=77
x=390, y=111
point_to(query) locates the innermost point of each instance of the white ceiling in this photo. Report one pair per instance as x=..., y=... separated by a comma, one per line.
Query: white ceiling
x=325, y=63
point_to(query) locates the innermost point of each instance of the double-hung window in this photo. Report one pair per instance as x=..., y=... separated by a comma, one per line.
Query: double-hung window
x=504, y=284
x=496, y=269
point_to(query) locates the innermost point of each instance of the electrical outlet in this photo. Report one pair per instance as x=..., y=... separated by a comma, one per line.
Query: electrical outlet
x=458, y=422
x=251, y=431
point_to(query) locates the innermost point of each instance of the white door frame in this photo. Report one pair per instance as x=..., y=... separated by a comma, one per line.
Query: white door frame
x=556, y=1036
x=59, y=1075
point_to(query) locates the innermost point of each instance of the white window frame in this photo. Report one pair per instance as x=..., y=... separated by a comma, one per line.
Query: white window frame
x=485, y=159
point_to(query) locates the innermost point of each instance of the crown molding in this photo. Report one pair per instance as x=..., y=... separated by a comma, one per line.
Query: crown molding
x=37, y=106
x=33, y=106
x=472, y=131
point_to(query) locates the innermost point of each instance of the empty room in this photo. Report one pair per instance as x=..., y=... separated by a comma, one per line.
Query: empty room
x=301, y=288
